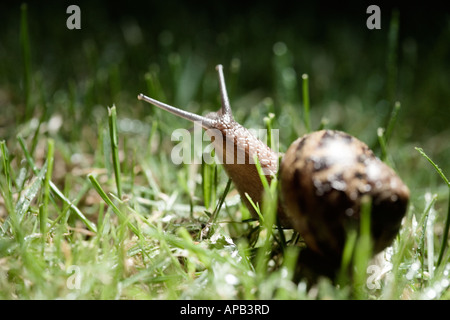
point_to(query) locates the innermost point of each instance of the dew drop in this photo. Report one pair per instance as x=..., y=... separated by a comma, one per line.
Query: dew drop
x=430, y=294
x=415, y=266
x=231, y=279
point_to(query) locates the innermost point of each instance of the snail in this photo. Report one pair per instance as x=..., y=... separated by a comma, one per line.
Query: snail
x=323, y=175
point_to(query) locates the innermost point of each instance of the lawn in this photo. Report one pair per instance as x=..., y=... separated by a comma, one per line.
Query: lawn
x=92, y=205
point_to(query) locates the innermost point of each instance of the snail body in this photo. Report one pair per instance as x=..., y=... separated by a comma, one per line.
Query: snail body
x=324, y=176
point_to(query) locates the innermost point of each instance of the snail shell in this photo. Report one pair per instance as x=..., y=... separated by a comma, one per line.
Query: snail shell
x=324, y=175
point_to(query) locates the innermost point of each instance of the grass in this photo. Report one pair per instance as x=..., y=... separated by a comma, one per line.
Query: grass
x=92, y=206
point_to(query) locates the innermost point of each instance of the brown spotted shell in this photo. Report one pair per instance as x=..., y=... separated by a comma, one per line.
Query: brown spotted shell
x=324, y=176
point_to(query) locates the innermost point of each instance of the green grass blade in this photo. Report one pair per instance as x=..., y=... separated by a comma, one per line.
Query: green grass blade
x=6, y=190
x=255, y=207
x=347, y=254
x=89, y=224
x=263, y=177
x=423, y=222
x=48, y=177
x=306, y=116
x=269, y=209
x=269, y=121
x=436, y=167
x=445, y=234
x=122, y=217
x=363, y=249
x=222, y=199
x=6, y=171
x=213, y=219
x=115, y=148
